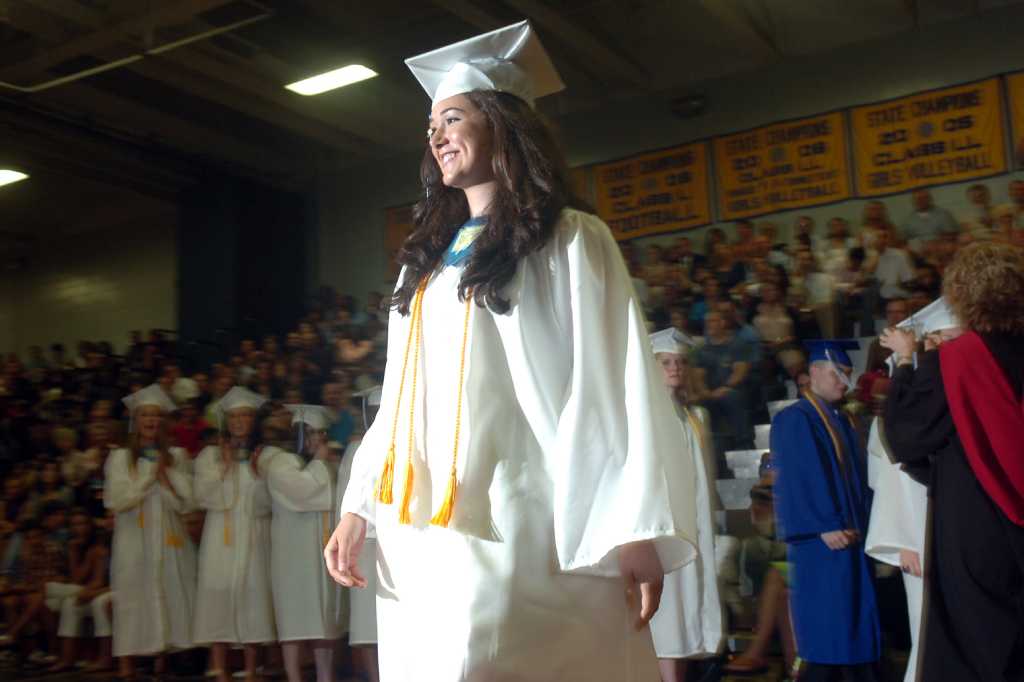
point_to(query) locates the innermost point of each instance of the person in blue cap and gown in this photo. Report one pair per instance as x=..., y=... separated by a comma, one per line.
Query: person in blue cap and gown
x=823, y=504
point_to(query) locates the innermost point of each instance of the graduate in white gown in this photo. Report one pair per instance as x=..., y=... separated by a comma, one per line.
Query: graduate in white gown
x=524, y=474
x=899, y=512
x=681, y=630
x=308, y=605
x=148, y=486
x=362, y=622
x=234, y=599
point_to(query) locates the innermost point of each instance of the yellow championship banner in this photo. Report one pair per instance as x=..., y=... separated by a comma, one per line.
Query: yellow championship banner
x=1015, y=93
x=662, y=191
x=783, y=166
x=931, y=138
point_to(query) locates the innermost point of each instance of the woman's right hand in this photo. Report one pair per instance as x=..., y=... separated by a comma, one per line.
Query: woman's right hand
x=343, y=549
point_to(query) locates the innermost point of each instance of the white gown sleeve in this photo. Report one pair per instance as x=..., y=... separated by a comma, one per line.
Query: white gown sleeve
x=899, y=510
x=300, y=489
x=210, y=483
x=360, y=492
x=618, y=473
x=123, y=488
x=181, y=479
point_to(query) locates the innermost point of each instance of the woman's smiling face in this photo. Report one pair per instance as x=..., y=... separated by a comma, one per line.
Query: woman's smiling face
x=460, y=139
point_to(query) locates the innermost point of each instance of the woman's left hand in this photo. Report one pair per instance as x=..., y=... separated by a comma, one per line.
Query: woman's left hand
x=645, y=578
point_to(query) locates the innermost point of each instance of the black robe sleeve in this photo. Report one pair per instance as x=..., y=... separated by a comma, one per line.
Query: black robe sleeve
x=918, y=422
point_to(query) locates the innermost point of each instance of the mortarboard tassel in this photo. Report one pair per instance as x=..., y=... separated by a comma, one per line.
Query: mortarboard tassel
x=404, y=516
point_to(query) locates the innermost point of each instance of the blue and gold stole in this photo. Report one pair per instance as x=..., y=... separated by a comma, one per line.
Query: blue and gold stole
x=462, y=244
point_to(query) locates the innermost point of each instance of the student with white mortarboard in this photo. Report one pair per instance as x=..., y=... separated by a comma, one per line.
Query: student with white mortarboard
x=309, y=606
x=148, y=486
x=524, y=476
x=689, y=623
x=234, y=601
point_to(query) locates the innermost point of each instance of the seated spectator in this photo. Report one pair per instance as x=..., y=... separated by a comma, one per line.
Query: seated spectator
x=40, y=561
x=188, y=430
x=927, y=223
x=686, y=261
x=893, y=270
x=774, y=322
x=896, y=310
x=874, y=219
x=729, y=272
x=725, y=363
x=49, y=487
x=712, y=294
x=979, y=220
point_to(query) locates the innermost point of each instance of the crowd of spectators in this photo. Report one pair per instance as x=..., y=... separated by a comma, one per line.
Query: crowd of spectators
x=752, y=301
x=749, y=302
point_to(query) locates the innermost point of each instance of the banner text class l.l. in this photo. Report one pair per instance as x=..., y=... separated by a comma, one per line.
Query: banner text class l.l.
x=931, y=138
x=663, y=191
x=788, y=165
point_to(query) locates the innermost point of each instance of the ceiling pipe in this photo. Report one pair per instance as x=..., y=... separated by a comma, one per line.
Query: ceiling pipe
x=166, y=47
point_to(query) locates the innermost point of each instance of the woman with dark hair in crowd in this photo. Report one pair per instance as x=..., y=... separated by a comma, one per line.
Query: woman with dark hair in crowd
x=525, y=529
x=153, y=562
x=957, y=410
x=234, y=600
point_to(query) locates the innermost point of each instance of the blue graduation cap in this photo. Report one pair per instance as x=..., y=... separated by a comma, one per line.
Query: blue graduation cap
x=831, y=350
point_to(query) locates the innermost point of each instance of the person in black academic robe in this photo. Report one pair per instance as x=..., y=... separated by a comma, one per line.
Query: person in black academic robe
x=958, y=409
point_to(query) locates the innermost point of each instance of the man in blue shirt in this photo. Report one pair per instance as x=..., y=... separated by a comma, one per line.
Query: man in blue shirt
x=725, y=362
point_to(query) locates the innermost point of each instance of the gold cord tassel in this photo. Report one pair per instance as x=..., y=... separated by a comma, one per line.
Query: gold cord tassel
x=227, y=529
x=386, y=484
x=325, y=521
x=444, y=515
x=142, y=517
x=403, y=511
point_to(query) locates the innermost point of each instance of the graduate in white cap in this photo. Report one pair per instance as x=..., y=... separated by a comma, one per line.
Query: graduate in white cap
x=689, y=623
x=899, y=512
x=524, y=476
x=148, y=486
x=308, y=605
x=362, y=622
x=235, y=604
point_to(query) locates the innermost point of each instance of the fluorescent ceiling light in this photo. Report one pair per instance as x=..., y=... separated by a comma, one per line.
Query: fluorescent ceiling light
x=339, y=78
x=8, y=176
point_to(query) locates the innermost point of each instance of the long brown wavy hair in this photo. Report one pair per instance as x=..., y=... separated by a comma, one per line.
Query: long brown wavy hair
x=984, y=286
x=532, y=189
x=162, y=444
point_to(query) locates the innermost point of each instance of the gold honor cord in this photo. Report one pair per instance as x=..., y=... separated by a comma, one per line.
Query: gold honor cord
x=828, y=425
x=385, y=488
x=697, y=428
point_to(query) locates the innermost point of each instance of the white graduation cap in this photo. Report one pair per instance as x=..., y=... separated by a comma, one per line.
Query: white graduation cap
x=316, y=416
x=934, y=317
x=671, y=340
x=150, y=395
x=184, y=389
x=509, y=59
x=238, y=397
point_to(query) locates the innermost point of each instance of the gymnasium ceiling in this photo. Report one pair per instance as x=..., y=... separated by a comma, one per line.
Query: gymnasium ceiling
x=201, y=83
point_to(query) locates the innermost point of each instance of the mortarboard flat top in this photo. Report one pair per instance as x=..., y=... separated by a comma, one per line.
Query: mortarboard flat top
x=831, y=350
x=671, y=340
x=316, y=416
x=238, y=397
x=934, y=317
x=509, y=59
x=150, y=395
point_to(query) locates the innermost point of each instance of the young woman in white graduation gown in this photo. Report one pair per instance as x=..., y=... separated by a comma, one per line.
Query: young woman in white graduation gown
x=234, y=600
x=308, y=605
x=689, y=623
x=524, y=475
x=148, y=486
